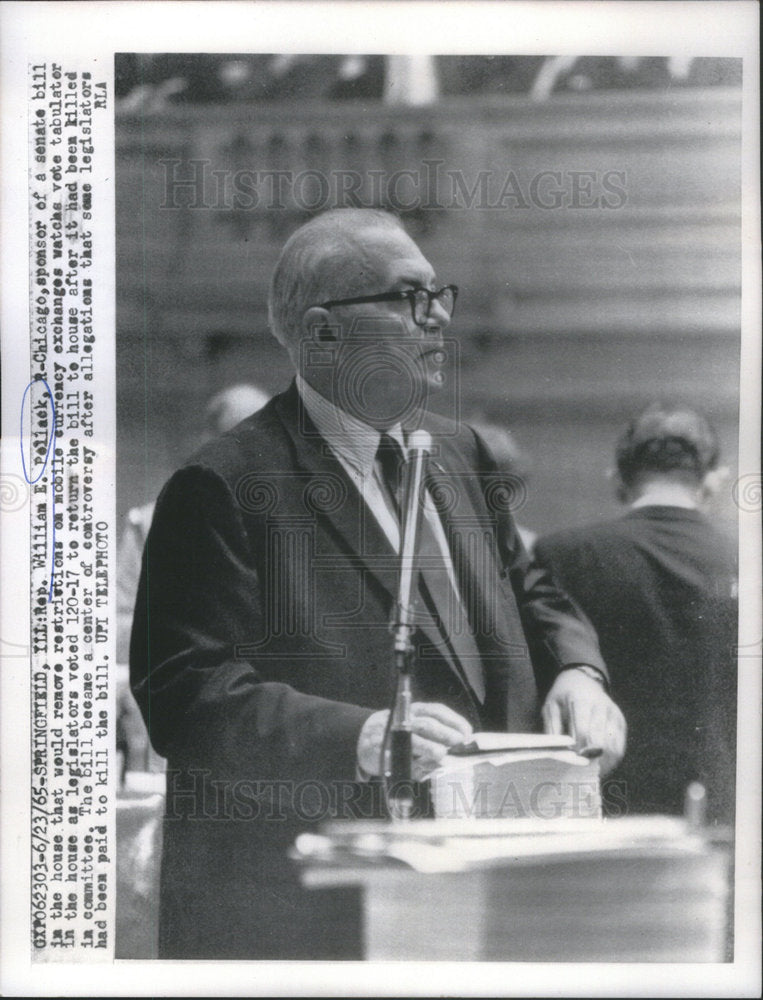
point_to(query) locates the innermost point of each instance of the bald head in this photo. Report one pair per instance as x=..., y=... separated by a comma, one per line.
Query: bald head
x=334, y=255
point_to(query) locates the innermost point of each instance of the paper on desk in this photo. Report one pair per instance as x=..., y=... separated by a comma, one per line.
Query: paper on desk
x=542, y=783
x=497, y=742
x=450, y=848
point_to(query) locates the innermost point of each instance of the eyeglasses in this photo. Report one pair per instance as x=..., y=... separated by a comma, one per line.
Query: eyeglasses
x=420, y=300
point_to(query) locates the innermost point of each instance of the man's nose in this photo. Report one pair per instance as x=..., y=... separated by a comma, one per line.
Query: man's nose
x=438, y=315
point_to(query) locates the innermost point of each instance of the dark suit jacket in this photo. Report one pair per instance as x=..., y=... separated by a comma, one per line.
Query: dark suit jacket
x=261, y=645
x=659, y=587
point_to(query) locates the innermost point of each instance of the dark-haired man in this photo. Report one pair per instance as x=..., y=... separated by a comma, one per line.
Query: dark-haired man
x=659, y=585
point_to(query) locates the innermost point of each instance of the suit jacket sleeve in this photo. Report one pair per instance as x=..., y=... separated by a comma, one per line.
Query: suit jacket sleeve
x=199, y=598
x=558, y=633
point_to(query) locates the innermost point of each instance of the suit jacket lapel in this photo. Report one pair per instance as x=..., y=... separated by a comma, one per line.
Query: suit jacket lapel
x=490, y=600
x=470, y=535
x=351, y=521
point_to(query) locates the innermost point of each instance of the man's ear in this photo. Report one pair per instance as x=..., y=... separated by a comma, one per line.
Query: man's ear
x=317, y=324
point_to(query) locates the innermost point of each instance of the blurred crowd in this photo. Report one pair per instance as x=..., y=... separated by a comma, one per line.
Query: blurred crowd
x=153, y=82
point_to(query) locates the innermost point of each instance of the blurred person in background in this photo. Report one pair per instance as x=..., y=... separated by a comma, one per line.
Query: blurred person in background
x=659, y=585
x=513, y=465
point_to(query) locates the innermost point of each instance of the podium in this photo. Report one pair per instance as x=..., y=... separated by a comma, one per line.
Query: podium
x=638, y=889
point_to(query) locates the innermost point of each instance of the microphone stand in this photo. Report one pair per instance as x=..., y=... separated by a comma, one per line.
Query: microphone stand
x=398, y=769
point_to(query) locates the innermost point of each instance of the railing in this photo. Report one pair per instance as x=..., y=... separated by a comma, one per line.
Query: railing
x=596, y=241
x=610, y=212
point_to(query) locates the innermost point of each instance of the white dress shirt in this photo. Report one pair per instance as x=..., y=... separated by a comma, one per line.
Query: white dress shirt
x=355, y=445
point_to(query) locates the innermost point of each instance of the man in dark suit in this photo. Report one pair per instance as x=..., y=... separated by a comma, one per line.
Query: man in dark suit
x=659, y=585
x=261, y=655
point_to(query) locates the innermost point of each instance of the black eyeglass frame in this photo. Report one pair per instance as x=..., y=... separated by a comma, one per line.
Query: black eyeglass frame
x=409, y=293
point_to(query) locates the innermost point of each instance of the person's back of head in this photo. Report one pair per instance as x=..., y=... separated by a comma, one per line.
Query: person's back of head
x=670, y=449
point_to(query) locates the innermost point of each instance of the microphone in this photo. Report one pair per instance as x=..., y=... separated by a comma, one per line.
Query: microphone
x=399, y=772
x=419, y=446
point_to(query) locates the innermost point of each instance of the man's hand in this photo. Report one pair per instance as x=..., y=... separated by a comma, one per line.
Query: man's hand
x=435, y=728
x=579, y=706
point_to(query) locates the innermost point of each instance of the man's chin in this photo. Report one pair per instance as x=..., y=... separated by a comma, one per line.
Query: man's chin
x=383, y=399
x=388, y=410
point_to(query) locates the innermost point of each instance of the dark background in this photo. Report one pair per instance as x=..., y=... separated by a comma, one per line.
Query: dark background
x=570, y=318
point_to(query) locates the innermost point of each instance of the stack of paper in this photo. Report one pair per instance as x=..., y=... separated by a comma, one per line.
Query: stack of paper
x=518, y=776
